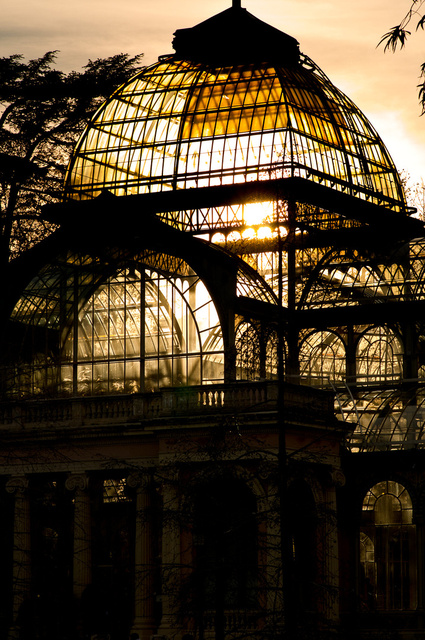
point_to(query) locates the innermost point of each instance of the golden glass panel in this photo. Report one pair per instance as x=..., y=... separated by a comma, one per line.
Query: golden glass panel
x=156, y=120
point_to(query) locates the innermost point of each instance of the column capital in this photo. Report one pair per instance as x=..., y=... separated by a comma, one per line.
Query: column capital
x=140, y=479
x=77, y=482
x=17, y=484
x=337, y=477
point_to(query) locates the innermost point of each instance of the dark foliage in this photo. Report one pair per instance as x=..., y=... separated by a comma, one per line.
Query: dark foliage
x=42, y=113
x=398, y=35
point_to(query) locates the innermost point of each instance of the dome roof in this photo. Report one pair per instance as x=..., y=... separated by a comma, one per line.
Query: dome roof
x=236, y=113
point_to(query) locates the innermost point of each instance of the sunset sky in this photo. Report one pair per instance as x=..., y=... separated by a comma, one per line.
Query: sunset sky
x=341, y=37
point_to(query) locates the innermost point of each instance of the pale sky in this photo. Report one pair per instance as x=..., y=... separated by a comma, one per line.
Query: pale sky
x=340, y=36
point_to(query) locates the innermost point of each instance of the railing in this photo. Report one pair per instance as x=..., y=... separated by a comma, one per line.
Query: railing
x=171, y=402
x=234, y=620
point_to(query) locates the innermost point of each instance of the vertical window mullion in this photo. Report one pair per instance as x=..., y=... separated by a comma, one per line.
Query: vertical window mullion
x=124, y=329
x=142, y=329
x=108, y=337
x=76, y=334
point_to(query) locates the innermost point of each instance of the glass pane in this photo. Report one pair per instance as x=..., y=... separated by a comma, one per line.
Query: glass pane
x=387, y=510
x=132, y=376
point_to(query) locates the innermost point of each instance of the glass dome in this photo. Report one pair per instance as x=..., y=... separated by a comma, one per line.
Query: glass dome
x=188, y=122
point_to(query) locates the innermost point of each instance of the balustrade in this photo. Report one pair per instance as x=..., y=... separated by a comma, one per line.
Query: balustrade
x=132, y=408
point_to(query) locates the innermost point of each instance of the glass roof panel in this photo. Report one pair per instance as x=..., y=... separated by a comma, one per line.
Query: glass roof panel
x=384, y=420
x=181, y=124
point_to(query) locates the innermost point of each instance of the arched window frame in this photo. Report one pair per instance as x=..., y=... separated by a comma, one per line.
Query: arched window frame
x=138, y=328
x=162, y=334
x=379, y=355
x=322, y=357
x=388, y=549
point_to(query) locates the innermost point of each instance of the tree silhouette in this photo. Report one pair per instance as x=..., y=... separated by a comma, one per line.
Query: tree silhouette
x=42, y=113
x=397, y=37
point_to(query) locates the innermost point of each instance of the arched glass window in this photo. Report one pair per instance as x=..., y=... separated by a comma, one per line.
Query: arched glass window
x=142, y=331
x=322, y=358
x=137, y=330
x=388, y=549
x=247, y=352
x=379, y=356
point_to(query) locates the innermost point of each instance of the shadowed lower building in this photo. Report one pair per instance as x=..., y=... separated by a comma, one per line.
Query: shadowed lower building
x=213, y=371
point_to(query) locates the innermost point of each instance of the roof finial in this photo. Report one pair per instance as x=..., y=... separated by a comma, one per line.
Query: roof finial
x=236, y=4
